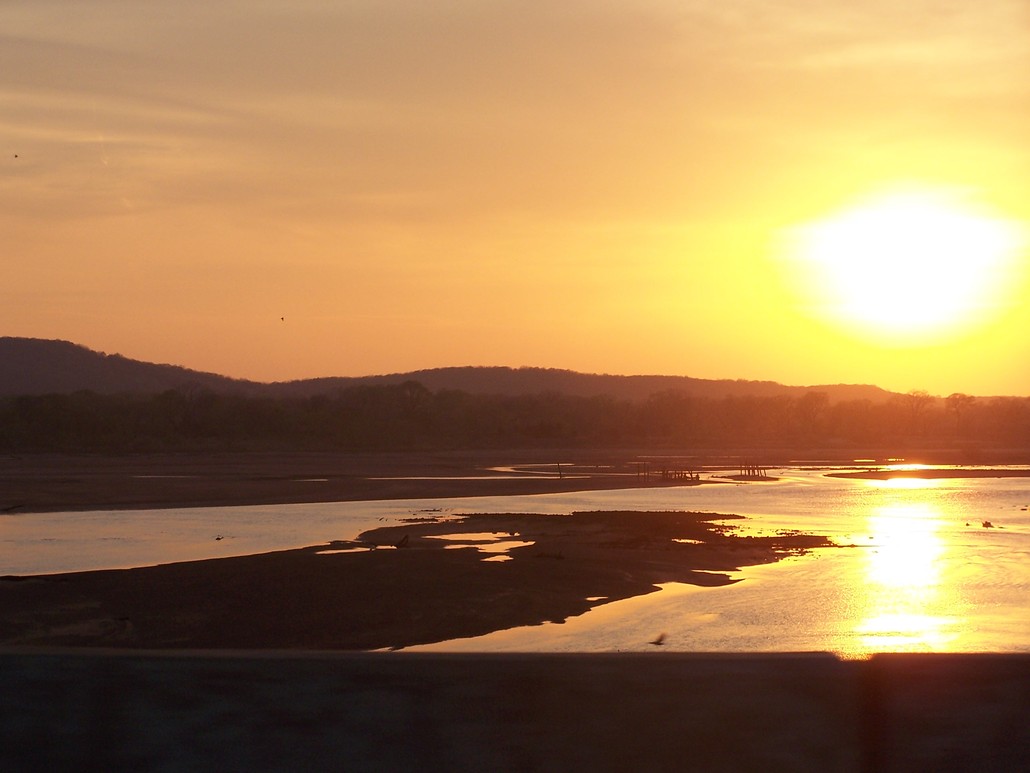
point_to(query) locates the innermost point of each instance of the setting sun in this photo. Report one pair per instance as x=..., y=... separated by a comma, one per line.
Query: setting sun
x=380, y=188
x=907, y=265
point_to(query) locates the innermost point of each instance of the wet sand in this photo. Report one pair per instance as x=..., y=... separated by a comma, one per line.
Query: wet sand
x=66, y=482
x=56, y=482
x=394, y=587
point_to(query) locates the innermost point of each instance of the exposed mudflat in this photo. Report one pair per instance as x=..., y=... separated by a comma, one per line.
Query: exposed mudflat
x=422, y=581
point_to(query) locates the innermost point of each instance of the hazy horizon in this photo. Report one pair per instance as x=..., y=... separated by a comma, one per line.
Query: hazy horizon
x=799, y=193
x=327, y=375
x=601, y=374
x=416, y=370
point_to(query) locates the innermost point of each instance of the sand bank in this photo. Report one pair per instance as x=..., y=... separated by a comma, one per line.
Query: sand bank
x=67, y=482
x=394, y=587
x=56, y=482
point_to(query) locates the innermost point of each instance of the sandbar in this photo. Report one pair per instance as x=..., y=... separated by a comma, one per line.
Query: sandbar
x=69, y=482
x=393, y=587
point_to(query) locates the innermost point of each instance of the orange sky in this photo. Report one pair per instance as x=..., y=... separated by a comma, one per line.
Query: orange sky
x=601, y=186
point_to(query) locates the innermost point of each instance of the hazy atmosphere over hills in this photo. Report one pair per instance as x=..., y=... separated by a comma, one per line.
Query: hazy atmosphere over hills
x=808, y=193
x=34, y=366
x=56, y=396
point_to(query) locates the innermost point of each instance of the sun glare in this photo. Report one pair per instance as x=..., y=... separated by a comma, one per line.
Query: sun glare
x=905, y=266
x=908, y=608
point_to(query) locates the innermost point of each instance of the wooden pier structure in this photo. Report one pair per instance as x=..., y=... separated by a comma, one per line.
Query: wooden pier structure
x=668, y=471
x=751, y=470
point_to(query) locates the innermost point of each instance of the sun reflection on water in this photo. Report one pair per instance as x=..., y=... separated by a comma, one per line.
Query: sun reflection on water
x=907, y=606
x=907, y=548
x=905, y=484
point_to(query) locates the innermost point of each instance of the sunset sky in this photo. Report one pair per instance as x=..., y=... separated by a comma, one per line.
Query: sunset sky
x=807, y=192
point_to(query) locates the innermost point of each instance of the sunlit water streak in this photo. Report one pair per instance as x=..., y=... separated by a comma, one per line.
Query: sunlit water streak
x=917, y=571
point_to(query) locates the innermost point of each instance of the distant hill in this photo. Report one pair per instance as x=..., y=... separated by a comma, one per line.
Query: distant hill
x=513, y=381
x=33, y=366
x=30, y=366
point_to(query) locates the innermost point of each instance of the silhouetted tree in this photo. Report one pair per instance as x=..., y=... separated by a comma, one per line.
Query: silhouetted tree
x=958, y=405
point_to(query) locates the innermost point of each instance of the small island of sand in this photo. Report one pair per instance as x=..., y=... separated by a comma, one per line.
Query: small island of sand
x=426, y=580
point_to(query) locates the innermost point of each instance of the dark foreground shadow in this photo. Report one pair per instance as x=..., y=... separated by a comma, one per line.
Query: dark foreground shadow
x=403, y=711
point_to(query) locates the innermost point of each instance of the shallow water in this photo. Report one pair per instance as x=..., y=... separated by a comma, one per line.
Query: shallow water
x=916, y=568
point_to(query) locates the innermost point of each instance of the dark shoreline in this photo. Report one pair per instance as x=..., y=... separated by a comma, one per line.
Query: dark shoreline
x=74, y=482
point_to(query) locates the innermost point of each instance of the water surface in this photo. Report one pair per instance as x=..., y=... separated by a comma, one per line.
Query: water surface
x=922, y=565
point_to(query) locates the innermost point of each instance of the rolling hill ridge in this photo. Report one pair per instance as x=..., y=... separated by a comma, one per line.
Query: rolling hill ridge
x=31, y=366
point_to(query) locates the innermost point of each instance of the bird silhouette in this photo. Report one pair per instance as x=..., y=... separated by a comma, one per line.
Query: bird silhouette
x=658, y=640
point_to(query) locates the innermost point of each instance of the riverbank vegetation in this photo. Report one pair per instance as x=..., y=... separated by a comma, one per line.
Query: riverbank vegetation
x=409, y=416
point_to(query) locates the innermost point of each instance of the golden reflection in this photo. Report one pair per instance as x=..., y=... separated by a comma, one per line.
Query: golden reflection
x=907, y=633
x=907, y=548
x=903, y=582
x=906, y=483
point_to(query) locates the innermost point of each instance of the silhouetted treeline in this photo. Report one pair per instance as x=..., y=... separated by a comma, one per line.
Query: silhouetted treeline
x=408, y=416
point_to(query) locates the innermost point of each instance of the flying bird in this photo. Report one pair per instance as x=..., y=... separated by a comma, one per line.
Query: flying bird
x=659, y=640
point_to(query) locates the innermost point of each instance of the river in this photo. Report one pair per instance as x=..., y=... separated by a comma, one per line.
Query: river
x=921, y=565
